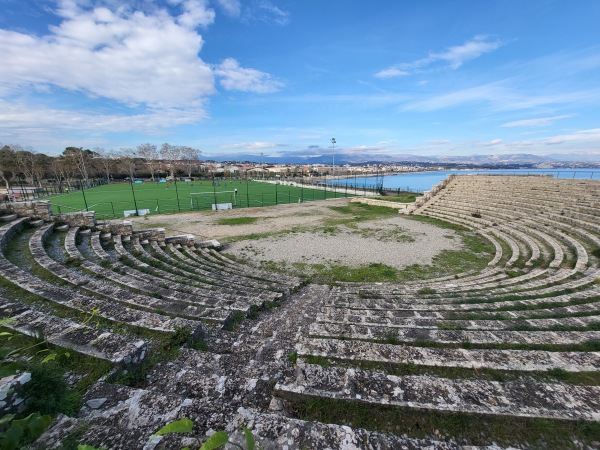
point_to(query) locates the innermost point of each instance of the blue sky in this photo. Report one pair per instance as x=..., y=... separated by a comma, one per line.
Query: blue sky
x=387, y=77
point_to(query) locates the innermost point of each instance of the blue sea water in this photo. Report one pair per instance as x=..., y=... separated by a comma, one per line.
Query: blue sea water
x=424, y=181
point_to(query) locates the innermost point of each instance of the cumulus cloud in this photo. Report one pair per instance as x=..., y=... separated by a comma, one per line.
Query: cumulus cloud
x=453, y=57
x=132, y=57
x=234, y=77
x=539, y=122
x=195, y=13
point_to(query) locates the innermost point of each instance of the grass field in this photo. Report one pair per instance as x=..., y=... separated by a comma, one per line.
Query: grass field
x=110, y=201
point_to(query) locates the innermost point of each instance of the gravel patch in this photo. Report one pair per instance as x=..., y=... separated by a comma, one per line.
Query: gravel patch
x=397, y=242
x=205, y=224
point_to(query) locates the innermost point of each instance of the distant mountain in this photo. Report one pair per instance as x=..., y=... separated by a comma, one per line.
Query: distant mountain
x=373, y=158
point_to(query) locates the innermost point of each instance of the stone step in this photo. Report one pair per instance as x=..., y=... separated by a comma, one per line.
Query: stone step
x=73, y=336
x=522, y=398
x=455, y=337
x=522, y=360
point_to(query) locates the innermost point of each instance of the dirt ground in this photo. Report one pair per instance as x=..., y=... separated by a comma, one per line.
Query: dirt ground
x=394, y=241
x=204, y=225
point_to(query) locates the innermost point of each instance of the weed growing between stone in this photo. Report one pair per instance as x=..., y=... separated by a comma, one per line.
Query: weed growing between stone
x=466, y=429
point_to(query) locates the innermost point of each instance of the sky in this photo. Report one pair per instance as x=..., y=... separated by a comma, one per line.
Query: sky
x=283, y=77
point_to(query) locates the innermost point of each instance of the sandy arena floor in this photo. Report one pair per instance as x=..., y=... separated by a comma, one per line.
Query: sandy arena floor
x=396, y=242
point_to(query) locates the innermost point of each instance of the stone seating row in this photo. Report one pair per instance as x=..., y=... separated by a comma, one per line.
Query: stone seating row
x=172, y=286
x=524, y=398
x=126, y=278
x=224, y=262
x=386, y=297
x=111, y=291
x=536, y=228
x=71, y=335
x=179, y=254
x=109, y=310
x=516, y=302
x=137, y=252
x=509, y=360
x=144, y=281
x=159, y=273
x=383, y=318
x=449, y=337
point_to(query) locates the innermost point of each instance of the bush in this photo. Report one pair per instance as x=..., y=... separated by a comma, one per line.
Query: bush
x=47, y=391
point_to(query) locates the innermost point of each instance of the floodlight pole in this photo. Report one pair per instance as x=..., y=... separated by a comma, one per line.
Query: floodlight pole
x=333, y=158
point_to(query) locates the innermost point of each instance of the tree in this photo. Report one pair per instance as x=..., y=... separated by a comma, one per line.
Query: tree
x=172, y=155
x=8, y=166
x=25, y=160
x=191, y=159
x=80, y=159
x=150, y=155
x=128, y=162
x=105, y=162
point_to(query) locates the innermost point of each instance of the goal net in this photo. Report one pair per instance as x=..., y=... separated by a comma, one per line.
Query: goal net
x=206, y=199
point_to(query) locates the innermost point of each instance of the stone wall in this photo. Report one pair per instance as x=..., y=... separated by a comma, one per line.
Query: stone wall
x=122, y=227
x=152, y=234
x=43, y=210
x=428, y=195
x=35, y=210
x=184, y=239
x=77, y=219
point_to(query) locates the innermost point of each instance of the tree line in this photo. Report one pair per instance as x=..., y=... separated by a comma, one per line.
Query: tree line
x=79, y=165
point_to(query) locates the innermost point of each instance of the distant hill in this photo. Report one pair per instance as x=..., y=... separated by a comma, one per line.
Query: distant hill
x=373, y=158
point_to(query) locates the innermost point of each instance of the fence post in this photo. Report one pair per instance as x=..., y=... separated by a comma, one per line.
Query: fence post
x=113, y=209
x=84, y=200
x=247, y=192
x=176, y=193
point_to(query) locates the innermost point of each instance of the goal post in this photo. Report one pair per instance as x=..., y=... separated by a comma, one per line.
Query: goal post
x=211, y=197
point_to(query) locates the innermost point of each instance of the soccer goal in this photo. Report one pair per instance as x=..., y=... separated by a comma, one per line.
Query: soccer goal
x=198, y=199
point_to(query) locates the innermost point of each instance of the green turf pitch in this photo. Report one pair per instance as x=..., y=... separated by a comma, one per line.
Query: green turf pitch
x=161, y=198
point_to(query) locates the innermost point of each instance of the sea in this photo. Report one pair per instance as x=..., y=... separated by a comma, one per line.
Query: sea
x=424, y=181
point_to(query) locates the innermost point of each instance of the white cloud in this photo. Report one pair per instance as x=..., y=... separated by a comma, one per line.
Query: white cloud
x=452, y=57
x=20, y=115
x=493, y=142
x=483, y=93
x=132, y=57
x=391, y=72
x=234, y=77
x=196, y=13
x=499, y=96
x=539, y=122
x=272, y=14
x=253, y=145
x=40, y=126
x=231, y=7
